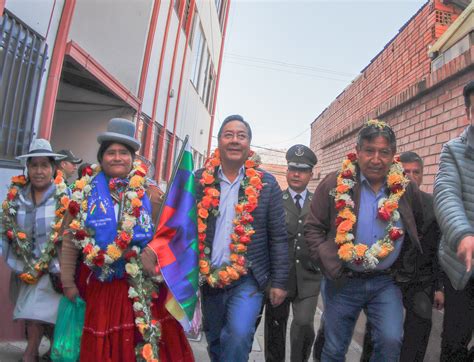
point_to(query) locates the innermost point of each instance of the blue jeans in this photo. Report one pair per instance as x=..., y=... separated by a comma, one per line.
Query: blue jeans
x=229, y=319
x=382, y=300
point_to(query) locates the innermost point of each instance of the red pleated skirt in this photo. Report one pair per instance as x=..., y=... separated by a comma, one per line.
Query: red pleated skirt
x=110, y=334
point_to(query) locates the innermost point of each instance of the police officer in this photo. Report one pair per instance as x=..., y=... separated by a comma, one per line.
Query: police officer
x=304, y=278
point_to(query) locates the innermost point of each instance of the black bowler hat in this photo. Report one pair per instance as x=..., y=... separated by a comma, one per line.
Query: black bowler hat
x=300, y=156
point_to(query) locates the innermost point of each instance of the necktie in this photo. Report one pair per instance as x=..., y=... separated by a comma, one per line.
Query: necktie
x=297, y=202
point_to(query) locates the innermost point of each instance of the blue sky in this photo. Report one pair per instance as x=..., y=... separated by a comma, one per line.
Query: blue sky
x=285, y=61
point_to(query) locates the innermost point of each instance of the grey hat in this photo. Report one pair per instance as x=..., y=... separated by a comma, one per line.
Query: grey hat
x=69, y=156
x=120, y=130
x=300, y=156
x=41, y=148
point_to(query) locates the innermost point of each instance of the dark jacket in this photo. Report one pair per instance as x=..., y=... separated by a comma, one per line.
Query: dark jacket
x=428, y=268
x=320, y=229
x=267, y=253
x=304, y=275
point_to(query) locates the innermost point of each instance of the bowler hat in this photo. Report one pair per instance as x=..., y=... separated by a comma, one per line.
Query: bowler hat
x=121, y=131
x=69, y=156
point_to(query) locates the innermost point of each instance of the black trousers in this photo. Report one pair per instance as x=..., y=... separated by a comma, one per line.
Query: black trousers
x=458, y=324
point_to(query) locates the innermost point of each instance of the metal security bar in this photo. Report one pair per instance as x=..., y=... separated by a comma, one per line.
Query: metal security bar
x=22, y=63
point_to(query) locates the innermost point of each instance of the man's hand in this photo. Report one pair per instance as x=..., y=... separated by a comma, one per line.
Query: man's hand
x=71, y=293
x=466, y=251
x=277, y=296
x=438, y=302
x=149, y=262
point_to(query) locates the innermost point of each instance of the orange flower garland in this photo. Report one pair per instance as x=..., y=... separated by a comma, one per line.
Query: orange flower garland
x=361, y=254
x=22, y=245
x=243, y=229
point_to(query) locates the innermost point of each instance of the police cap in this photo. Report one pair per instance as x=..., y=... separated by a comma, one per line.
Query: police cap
x=300, y=156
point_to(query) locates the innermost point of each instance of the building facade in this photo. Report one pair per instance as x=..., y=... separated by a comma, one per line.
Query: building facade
x=68, y=66
x=415, y=84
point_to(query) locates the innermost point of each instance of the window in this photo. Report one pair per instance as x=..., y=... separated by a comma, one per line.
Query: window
x=166, y=152
x=198, y=49
x=221, y=6
x=156, y=141
x=22, y=60
x=176, y=6
x=186, y=14
x=203, y=78
x=209, y=96
x=143, y=129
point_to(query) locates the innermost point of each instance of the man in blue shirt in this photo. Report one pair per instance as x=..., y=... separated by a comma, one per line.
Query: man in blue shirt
x=364, y=220
x=243, y=242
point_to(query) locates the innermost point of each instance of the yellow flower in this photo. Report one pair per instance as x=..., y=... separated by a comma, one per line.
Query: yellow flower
x=75, y=225
x=341, y=238
x=113, y=252
x=136, y=202
x=136, y=181
x=80, y=184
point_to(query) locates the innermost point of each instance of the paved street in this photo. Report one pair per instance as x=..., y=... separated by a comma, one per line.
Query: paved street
x=11, y=351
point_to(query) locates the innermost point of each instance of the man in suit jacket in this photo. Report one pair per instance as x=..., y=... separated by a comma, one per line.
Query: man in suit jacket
x=243, y=243
x=304, y=278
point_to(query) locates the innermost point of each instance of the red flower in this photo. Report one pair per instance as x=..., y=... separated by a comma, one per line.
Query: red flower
x=87, y=249
x=99, y=260
x=215, y=203
x=136, y=211
x=395, y=188
x=130, y=254
x=384, y=214
x=340, y=204
x=250, y=207
x=395, y=233
x=201, y=247
x=10, y=196
x=10, y=235
x=122, y=244
x=239, y=229
x=140, y=173
x=346, y=174
x=246, y=219
x=352, y=156
x=80, y=234
x=154, y=295
x=245, y=239
x=73, y=208
x=339, y=220
x=202, y=237
x=87, y=171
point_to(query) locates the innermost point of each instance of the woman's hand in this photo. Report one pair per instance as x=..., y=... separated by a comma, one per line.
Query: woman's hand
x=71, y=293
x=149, y=262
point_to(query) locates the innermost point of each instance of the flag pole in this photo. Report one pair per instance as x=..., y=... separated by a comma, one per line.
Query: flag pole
x=173, y=175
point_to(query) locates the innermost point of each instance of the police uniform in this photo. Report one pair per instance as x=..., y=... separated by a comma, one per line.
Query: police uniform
x=304, y=277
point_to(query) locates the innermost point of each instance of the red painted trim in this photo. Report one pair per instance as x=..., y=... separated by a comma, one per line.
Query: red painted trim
x=157, y=85
x=218, y=77
x=178, y=98
x=97, y=70
x=50, y=19
x=148, y=48
x=2, y=6
x=55, y=68
x=168, y=99
x=146, y=58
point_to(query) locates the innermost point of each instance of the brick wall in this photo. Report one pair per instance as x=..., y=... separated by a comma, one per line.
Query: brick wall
x=425, y=109
x=279, y=171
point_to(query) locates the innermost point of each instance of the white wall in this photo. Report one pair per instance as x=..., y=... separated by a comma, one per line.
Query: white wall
x=114, y=33
x=76, y=126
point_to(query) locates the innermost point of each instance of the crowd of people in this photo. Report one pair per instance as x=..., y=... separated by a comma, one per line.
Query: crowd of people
x=367, y=240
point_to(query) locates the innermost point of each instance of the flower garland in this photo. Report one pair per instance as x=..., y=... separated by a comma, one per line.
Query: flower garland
x=142, y=290
x=243, y=229
x=22, y=245
x=361, y=254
